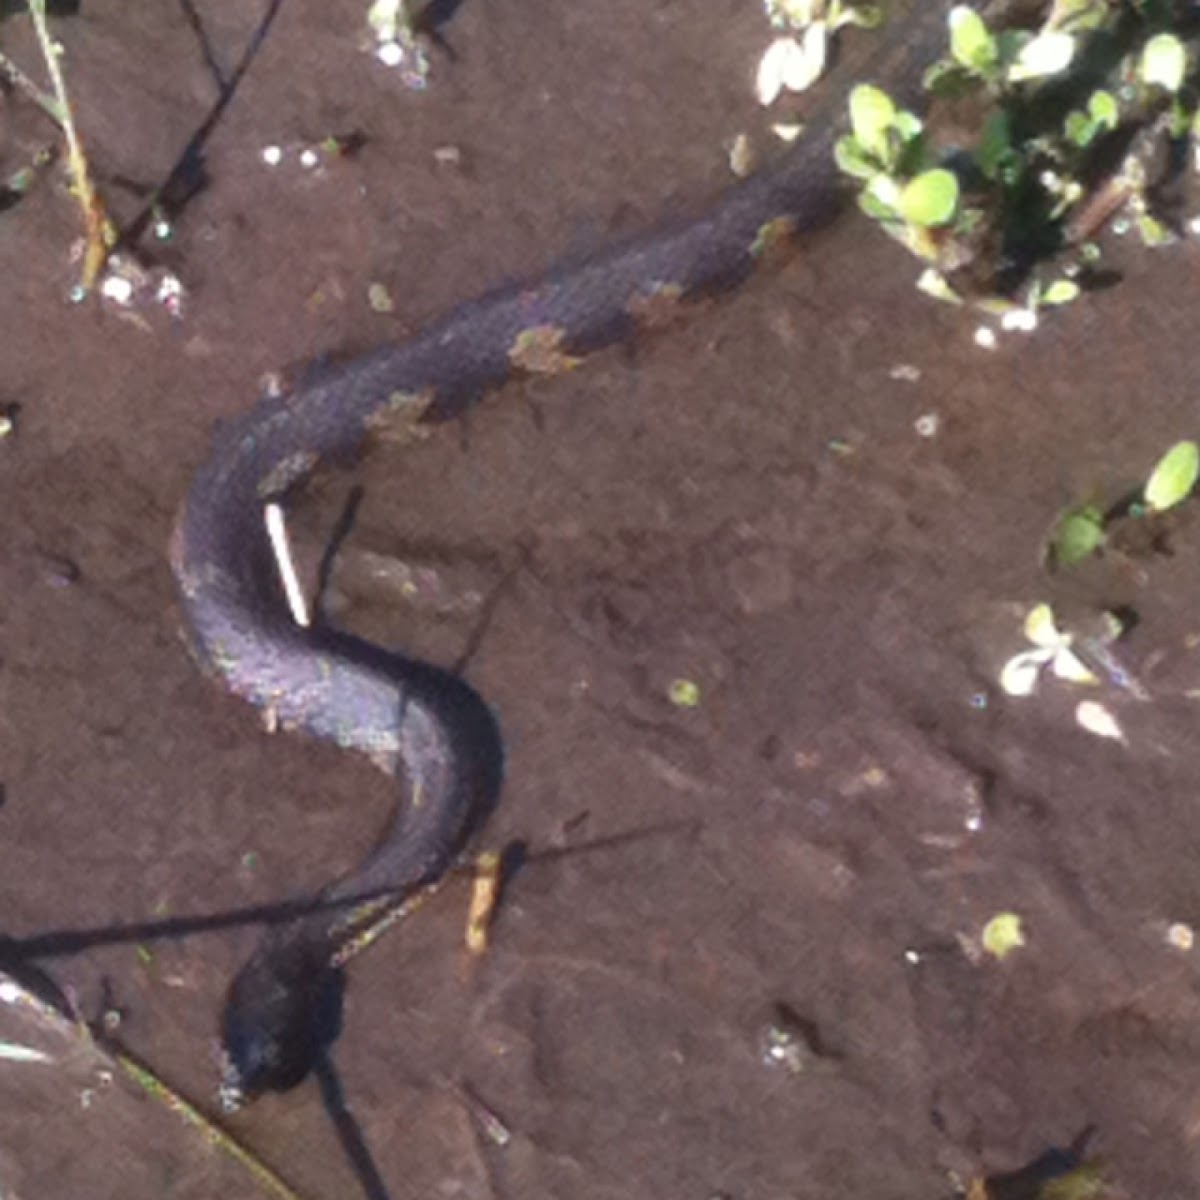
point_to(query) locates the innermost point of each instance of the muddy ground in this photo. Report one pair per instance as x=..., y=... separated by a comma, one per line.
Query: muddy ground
x=744, y=502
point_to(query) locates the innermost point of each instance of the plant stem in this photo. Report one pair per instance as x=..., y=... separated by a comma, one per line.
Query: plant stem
x=100, y=233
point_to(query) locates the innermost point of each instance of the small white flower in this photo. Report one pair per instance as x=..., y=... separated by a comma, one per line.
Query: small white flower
x=1051, y=647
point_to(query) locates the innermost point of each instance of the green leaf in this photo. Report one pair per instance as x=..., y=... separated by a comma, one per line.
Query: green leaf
x=1103, y=114
x=865, y=16
x=929, y=199
x=1164, y=62
x=948, y=80
x=1180, y=118
x=1047, y=54
x=1076, y=535
x=1103, y=109
x=872, y=115
x=885, y=192
x=1041, y=628
x=1080, y=15
x=995, y=144
x=853, y=160
x=1061, y=291
x=1088, y=1181
x=933, y=283
x=1080, y=128
x=1174, y=477
x=1154, y=232
x=908, y=125
x=1003, y=934
x=971, y=43
x=684, y=693
x=875, y=208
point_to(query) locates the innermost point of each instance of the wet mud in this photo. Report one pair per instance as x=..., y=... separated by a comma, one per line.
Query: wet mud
x=743, y=502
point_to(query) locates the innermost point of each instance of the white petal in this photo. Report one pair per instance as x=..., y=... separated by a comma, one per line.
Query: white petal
x=1019, y=320
x=1067, y=665
x=885, y=189
x=1164, y=62
x=1095, y=718
x=1181, y=936
x=1047, y=54
x=773, y=67
x=804, y=69
x=1019, y=675
x=12, y=1052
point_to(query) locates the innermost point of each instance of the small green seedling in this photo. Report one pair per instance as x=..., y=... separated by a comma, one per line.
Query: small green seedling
x=684, y=693
x=1173, y=478
x=1043, y=154
x=1077, y=534
x=972, y=44
x=929, y=199
x=1084, y=528
x=1002, y=935
x=912, y=198
x=1102, y=115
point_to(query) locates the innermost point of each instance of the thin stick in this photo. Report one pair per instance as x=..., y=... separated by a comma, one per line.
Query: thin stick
x=485, y=893
x=191, y=1115
x=389, y=912
x=285, y=563
x=108, y=1050
x=100, y=232
x=23, y=83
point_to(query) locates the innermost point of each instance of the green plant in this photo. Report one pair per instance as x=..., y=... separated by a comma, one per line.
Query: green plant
x=1003, y=208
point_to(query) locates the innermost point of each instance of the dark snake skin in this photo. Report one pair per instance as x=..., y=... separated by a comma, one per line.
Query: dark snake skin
x=415, y=721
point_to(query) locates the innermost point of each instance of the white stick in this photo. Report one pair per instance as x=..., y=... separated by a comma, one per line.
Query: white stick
x=286, y=564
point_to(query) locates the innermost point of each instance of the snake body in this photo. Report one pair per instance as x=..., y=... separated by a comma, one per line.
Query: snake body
x=415, y=721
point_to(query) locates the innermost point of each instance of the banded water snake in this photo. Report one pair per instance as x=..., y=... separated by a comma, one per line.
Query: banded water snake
x=415, y=721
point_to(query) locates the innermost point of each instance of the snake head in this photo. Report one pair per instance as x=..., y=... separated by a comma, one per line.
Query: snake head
x=282, y=1011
